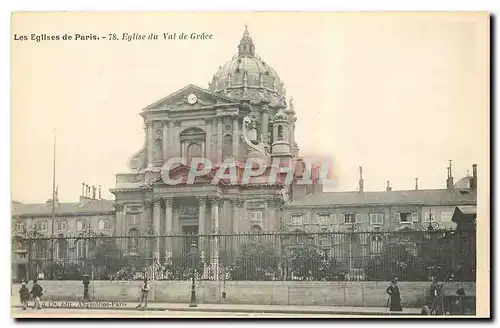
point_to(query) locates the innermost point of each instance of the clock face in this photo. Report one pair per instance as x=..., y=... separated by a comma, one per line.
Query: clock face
x=192, y=98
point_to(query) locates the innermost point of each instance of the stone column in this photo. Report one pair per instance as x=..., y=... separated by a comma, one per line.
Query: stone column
x=219, y=140
x=208, y=142
x=149, y=228
x=165, y=139
x=236, y=205
x=201, y=215
x=149, y=127
x=270, y=217
x=236, y=139
x=119, y=219
x=292, y=136
x=265, y=121
x=169, y=202
x=176, y=141
x=214, y=257
x=157, y=225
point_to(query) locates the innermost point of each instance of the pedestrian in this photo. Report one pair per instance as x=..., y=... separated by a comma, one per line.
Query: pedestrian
x=394, y=296
x=24, y=294
x=434, y=291
x=37, y=292
x=143, y=294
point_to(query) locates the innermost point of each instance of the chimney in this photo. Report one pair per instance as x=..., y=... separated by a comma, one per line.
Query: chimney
x=360, y=183
x=93, y=192
x=83, y=189
x=388, y=188
x=473, y=181
x=88, y=192
x=416, y=183
x=100, y=192
x=449, y=180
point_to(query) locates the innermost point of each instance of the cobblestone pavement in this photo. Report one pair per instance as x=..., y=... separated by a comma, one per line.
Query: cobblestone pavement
x=83, y=313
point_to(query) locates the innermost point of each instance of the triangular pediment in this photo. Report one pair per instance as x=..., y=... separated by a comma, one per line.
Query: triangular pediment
x=190, y=97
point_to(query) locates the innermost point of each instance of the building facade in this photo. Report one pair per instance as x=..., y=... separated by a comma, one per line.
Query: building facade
x=242, y=115
x=56, y=234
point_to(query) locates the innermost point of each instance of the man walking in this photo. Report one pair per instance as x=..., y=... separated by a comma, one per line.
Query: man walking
x=24, y=295
x=144, y=295
x=37, y=292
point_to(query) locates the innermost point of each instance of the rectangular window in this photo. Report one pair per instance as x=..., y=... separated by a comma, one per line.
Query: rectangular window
x=446, y=216
x=332, y=219
x=256, y=216
x=350, y=218
x=79, y=225
x=45, y=226
x=414, y=217
x=376, y=218
x=404, y=217
x=297, y=220
x=359, y=218
x=323, y=219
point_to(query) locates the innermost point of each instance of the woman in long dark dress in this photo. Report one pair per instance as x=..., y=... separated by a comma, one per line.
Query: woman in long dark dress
x=393, y=291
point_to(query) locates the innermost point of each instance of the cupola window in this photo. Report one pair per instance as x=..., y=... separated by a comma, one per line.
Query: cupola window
x=280, y=132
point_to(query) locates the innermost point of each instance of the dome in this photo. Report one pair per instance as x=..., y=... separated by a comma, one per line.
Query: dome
x=247, y=76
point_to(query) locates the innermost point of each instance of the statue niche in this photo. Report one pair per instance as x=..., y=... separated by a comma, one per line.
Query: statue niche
x=193, y=143
x=158, y=151
x=227, y=147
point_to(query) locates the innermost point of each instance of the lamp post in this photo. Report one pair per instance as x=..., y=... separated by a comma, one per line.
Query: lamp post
x=193, y=249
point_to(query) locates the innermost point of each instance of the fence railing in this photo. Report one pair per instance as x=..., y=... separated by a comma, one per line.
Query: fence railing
x=414, y=255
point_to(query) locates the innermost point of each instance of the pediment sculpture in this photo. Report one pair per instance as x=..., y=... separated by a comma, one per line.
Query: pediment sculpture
x=138, y=162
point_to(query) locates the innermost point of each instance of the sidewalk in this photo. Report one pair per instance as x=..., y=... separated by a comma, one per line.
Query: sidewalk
x=247, y=308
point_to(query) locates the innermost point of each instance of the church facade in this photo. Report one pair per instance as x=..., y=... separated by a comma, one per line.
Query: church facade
x=242, y=115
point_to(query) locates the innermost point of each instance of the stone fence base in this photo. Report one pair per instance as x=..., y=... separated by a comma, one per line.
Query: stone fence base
x=335, y=293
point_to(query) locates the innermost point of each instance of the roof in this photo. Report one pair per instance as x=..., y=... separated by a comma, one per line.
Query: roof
x=89, y=206
x=409, y=197
x=472, y=209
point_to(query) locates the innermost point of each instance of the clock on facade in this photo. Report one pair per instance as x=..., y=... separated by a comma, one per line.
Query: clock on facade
x=192, y=98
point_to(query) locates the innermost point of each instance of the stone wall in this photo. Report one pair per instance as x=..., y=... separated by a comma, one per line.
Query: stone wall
x=368, y=293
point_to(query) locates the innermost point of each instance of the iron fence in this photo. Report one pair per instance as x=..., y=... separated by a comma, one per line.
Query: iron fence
x=411, y=256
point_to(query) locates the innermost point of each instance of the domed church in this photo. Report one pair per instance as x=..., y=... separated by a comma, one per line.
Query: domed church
x=242, y=114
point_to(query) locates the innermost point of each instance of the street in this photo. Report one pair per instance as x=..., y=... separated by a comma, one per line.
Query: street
x=79, y=313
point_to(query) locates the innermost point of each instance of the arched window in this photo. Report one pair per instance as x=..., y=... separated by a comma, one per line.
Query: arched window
x=133, y=241
x=298, y=237
x=41, y=248
x=62, y=249
x=227, y=146
x=280, y=132
x=103, y=224
x=256, y=229
x=158, y=150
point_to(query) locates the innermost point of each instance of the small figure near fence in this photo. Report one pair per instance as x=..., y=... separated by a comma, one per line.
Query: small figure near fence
x=433, y=291
x=144, y=295
x=24, y=295
x=394, y=296
x=37, y=292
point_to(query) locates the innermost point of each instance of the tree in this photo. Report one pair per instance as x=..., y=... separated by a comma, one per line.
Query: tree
x=256, y=260
x=307, y=262
x=395, y=261
x=181, y=267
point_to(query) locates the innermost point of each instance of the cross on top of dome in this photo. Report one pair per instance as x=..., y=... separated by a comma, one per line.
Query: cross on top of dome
x=246, y=47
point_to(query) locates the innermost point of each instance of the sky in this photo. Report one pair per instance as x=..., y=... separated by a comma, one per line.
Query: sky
x=399, y=94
